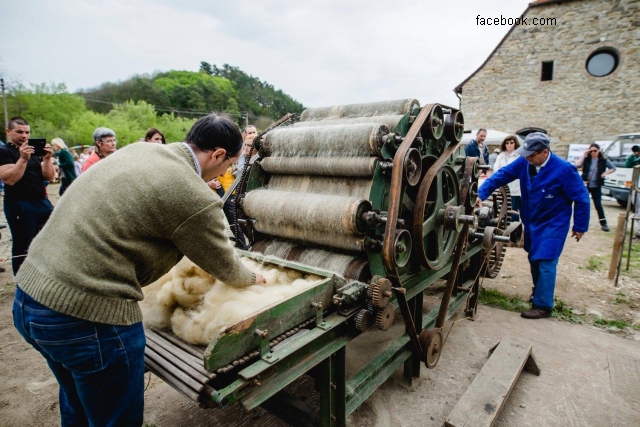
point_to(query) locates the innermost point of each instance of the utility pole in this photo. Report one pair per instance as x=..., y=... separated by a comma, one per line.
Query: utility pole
x=246, y=119
x=4, y=105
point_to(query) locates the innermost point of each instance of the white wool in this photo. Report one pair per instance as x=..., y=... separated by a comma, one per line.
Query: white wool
x=198, y=307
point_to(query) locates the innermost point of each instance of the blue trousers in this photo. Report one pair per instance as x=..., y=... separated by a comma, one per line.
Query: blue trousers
x=543, y=272
x=26, y=218
x=99, y=367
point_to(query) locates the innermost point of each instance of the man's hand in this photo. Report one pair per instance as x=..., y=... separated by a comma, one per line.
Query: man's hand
x=578, y=236
x=478, y=202
x=48, y=151
x=260, y=279
x=26, y=151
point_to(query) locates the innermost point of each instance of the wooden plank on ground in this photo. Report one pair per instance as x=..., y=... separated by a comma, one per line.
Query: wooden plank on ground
x=485, y=398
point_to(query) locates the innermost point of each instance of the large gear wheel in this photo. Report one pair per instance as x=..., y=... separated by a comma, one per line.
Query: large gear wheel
x=501, y=200
x=364, y=320
x=384, y=317
x=380, y=292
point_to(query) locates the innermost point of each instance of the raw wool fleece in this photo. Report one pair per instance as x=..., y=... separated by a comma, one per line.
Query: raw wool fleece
x=198, y=308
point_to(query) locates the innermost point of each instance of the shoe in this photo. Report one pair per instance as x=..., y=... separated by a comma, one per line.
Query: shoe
x=536, y=313
x=605, y=227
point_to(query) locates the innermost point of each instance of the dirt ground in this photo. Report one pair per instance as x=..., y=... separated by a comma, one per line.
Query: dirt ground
x=28, y=392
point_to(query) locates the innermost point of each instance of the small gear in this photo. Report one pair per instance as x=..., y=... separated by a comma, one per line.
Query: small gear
x=384, y=317
x=381, y=292
x=364, y=320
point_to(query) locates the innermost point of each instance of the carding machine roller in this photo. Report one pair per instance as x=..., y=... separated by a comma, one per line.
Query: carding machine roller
x=378, y=199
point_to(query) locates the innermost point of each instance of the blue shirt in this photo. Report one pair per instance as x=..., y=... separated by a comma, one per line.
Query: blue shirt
x=547, y=201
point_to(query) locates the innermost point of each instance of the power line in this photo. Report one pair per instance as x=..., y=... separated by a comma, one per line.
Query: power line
x=170, y=110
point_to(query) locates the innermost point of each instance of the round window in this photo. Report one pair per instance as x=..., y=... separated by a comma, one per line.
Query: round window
x=602, y=62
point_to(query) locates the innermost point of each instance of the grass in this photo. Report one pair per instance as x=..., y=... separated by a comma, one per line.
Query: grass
x=596, y=262
x=561, y=310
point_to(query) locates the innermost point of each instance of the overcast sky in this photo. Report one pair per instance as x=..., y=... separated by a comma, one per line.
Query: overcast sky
x=320, y=52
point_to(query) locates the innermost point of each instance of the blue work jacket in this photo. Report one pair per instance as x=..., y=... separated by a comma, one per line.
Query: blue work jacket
x=546, y=203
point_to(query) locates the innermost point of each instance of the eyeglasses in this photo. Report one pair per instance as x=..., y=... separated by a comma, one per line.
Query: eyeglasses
x=231, y=161
x=110, y=141
x=510, y=142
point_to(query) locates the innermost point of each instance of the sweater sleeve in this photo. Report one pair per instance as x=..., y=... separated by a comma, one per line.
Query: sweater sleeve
x=201, y=238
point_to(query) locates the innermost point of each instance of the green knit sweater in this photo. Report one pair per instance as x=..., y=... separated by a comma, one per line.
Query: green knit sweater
x=124, y=223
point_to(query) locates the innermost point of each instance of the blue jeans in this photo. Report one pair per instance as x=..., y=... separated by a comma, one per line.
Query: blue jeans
x=26, y=218
x=543, y=272
x=99, y=367
x=516, y=204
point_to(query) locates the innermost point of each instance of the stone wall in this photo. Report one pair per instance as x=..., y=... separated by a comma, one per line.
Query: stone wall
x=507, y=94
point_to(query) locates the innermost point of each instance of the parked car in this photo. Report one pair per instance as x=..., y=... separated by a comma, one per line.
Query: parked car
x=618, y=184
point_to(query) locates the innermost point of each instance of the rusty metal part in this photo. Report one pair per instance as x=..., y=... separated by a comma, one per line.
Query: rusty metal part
x=364, y=320
x=434, y=242
x=431, y=343
x=402, y=248
x=501, y=204
x=380, y=292
x=454, y=126
x=412, y=167
x=384, y=317
x=452, y=215
x=395, y=192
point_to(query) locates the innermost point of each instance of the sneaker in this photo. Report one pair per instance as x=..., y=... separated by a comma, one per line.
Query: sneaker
x=605, y=227
x=536, y=313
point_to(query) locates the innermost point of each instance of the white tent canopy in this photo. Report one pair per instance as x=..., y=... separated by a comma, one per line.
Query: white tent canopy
x=494, y=137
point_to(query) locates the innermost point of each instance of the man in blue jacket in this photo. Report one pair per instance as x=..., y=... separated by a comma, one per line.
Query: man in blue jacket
x=477, y=146
x=549, y=186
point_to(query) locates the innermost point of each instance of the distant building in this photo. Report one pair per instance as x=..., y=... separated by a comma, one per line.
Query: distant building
x=577, y=80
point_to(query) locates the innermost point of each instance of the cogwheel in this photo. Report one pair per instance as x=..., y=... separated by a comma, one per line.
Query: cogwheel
x=384, y=317
x=364, y=320
x=381, y=293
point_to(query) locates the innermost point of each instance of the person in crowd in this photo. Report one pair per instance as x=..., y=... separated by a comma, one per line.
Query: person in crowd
x=634, y=159
x=550, y=188
x=88, y=320
x=155, y=135
x=215, y=185
x=77, y=164
x=65, y=163
x=594, y=168
x=492, y=157
x=477, y=148
x=26, y=205
x=507, y=156
x=105, y=145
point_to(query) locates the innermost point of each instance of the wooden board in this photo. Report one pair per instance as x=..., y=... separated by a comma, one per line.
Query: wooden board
x=483, y=400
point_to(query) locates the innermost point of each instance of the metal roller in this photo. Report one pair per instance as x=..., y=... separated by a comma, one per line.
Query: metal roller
x=361, y=140
x=348, y=242
x=355, y=187
x=390, y=121
x=336, y=215
x=344, y=265
x=383, y=108
x=331, y=166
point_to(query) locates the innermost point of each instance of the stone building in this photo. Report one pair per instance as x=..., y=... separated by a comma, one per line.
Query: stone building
x=577, y=79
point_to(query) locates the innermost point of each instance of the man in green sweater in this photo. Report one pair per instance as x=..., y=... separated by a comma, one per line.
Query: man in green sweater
x=122, y=225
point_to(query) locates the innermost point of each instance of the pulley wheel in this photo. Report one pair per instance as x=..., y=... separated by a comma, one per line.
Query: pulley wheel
x=402, y=248
x=454, y=126
x=431, y=344
x=412, y=167
x=434, y=241
x=433, y=126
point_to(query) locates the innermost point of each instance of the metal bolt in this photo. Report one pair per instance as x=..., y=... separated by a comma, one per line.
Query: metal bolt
x=268, y=356
x=333, y=386
x=257, y=383
x=333, y=418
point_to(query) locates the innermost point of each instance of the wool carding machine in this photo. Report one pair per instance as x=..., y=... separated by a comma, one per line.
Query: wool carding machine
x=379, y=200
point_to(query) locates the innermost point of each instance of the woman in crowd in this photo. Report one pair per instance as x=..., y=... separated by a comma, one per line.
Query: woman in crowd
x=507, y=155
x=65, y=163
x=78, y=164
x=105, y=140
x=594, y=168
x=154, y=135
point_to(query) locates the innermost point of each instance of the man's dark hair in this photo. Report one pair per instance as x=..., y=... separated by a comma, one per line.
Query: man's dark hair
x=481, y=130
x=17, y=121
x=635, y=148
x=215, y=131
